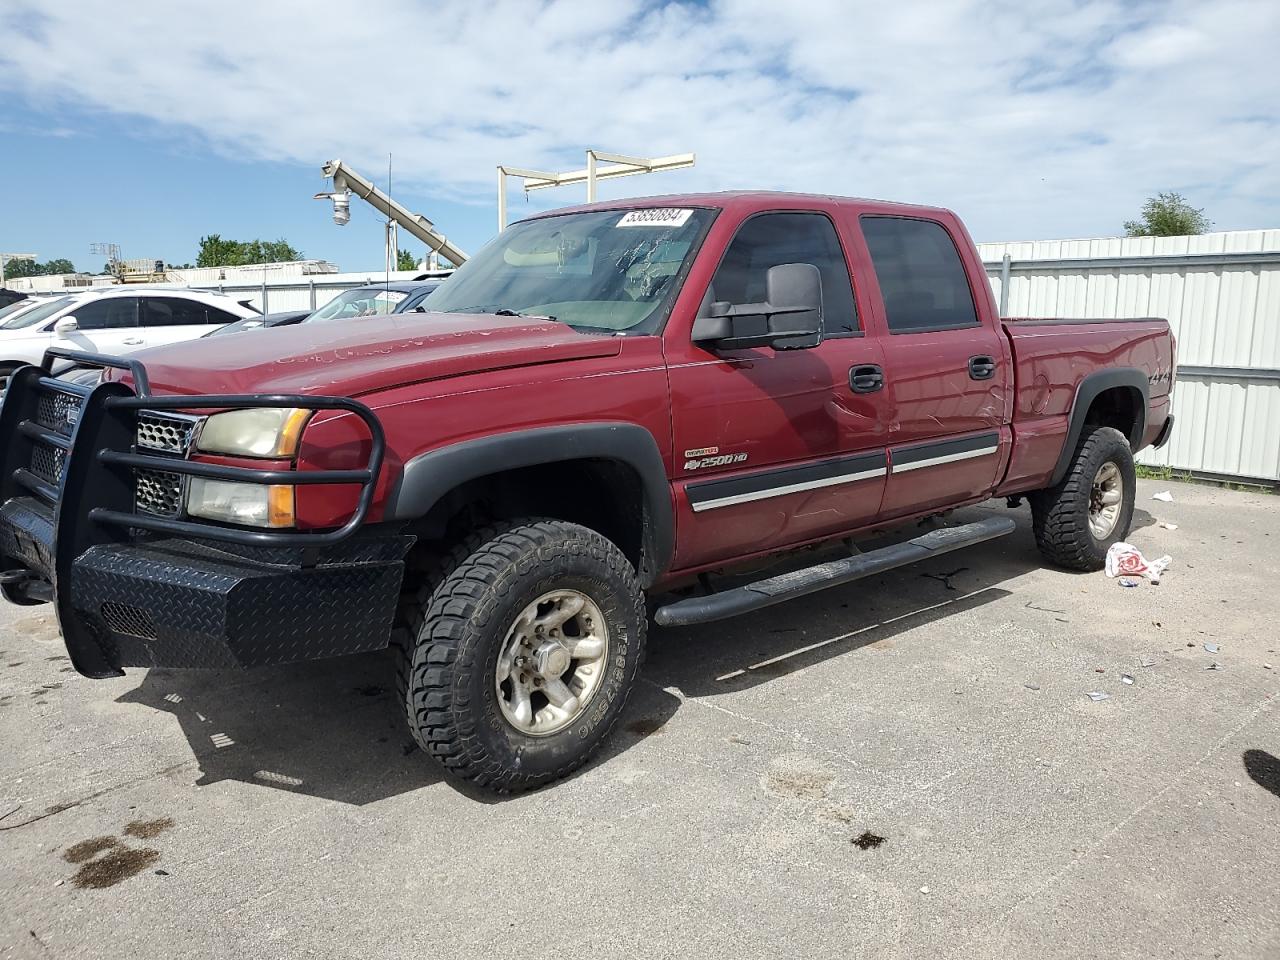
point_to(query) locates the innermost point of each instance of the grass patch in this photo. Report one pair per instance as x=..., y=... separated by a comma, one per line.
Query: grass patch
x=1167, y=472
x=1164, y=472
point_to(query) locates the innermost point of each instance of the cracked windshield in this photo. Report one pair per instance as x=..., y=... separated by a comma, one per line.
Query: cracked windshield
x=613, y=271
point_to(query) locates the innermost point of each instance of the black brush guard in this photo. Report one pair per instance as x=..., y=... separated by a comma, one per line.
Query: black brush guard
x=136, y=589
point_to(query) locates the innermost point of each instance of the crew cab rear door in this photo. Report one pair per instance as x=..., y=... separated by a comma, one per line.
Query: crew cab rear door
x=947, y=367
x=775, y=447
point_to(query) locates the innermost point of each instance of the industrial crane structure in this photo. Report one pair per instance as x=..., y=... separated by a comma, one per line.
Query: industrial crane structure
x=347, y=182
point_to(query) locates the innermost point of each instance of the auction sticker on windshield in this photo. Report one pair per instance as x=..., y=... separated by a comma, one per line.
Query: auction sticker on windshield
x=657, y=217
x=390, y=296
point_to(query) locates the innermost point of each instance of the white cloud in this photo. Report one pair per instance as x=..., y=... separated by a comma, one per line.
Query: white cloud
x=1034, y=119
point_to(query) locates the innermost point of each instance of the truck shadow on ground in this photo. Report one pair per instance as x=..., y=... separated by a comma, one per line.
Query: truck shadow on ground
x=330, y=728
x=325, y=728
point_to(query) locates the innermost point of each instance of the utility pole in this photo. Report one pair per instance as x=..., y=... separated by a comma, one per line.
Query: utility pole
x=623, y=166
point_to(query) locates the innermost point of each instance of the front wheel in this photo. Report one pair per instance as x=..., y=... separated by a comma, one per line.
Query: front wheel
x=1078, y=520
x=524, y=654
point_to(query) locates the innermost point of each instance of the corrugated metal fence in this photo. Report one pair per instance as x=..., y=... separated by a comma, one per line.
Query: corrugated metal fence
x=1221, y=295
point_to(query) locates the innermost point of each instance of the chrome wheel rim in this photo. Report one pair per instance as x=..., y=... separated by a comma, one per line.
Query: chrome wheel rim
x=552, y=662
x=1106, y=497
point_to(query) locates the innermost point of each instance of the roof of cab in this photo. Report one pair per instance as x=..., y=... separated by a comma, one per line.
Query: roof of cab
x=750, y=200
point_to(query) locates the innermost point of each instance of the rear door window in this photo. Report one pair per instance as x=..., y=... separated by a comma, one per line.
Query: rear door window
x=922, y=279
x=218, y=317
x=178, y=312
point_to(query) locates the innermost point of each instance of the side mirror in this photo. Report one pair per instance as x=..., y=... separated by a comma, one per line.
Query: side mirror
x=65, y=325
x=789, y=319
x=419, y=309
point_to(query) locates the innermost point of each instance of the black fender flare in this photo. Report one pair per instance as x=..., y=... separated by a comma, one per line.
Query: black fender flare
x=1086, y=393
x=428, y=477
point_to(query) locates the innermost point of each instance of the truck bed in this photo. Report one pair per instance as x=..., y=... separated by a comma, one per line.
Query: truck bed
x=1052, y=357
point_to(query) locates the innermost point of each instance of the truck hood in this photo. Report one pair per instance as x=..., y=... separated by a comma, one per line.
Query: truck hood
x=354, y=357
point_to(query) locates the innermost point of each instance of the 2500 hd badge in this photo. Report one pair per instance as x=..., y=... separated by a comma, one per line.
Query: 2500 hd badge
x=704, y=457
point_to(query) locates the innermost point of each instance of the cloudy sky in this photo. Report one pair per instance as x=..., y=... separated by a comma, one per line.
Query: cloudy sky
x=151, y=125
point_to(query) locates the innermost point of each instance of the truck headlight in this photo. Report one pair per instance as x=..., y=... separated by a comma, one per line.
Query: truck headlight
x=255, y=432
x=251, y=504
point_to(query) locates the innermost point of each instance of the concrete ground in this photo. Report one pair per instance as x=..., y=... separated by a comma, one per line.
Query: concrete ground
x=282, y=814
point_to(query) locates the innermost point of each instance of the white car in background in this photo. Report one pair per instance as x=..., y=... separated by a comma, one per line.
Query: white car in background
x=10, y=313
x=115, y=321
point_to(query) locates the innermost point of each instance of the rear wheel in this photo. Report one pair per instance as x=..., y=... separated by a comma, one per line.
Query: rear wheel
x=521, y=658
x=1077, y=520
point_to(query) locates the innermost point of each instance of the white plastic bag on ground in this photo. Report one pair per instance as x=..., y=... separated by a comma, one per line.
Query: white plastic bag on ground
x=1126, y=560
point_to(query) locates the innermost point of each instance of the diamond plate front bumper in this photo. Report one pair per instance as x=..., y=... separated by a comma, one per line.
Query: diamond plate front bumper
x=180, y=603
x=132, y=588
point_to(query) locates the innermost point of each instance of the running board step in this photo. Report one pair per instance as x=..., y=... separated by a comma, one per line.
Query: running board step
x=799, y=583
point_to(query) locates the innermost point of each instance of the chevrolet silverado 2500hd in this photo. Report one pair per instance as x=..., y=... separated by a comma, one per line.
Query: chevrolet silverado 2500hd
x=604, y=402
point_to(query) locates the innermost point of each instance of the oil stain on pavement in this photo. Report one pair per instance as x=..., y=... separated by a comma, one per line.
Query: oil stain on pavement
x=106, y=861
x=148, y=829
x=801, y=784
x=867, y=840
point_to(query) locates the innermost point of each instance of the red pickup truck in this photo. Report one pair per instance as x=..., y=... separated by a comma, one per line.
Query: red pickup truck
x=604, y=403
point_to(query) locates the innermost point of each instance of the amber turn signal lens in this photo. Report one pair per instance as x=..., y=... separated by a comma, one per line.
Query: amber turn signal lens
x=291, y=434
x=280, y=506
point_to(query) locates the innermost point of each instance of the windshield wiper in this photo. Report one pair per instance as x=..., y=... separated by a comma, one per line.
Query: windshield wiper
x=508, y=312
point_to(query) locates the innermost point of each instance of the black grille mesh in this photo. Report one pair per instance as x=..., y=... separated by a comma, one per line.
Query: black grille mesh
x=169, y=434
x=54, y=411
x=158, y=492
x=128, y=619
x=47, y=463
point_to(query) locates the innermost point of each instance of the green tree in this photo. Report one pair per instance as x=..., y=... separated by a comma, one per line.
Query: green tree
x=1168, y=215
x=218, y=252
x=406, y=260
x=61, y=265
x=21, y=268
x=30, y=268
